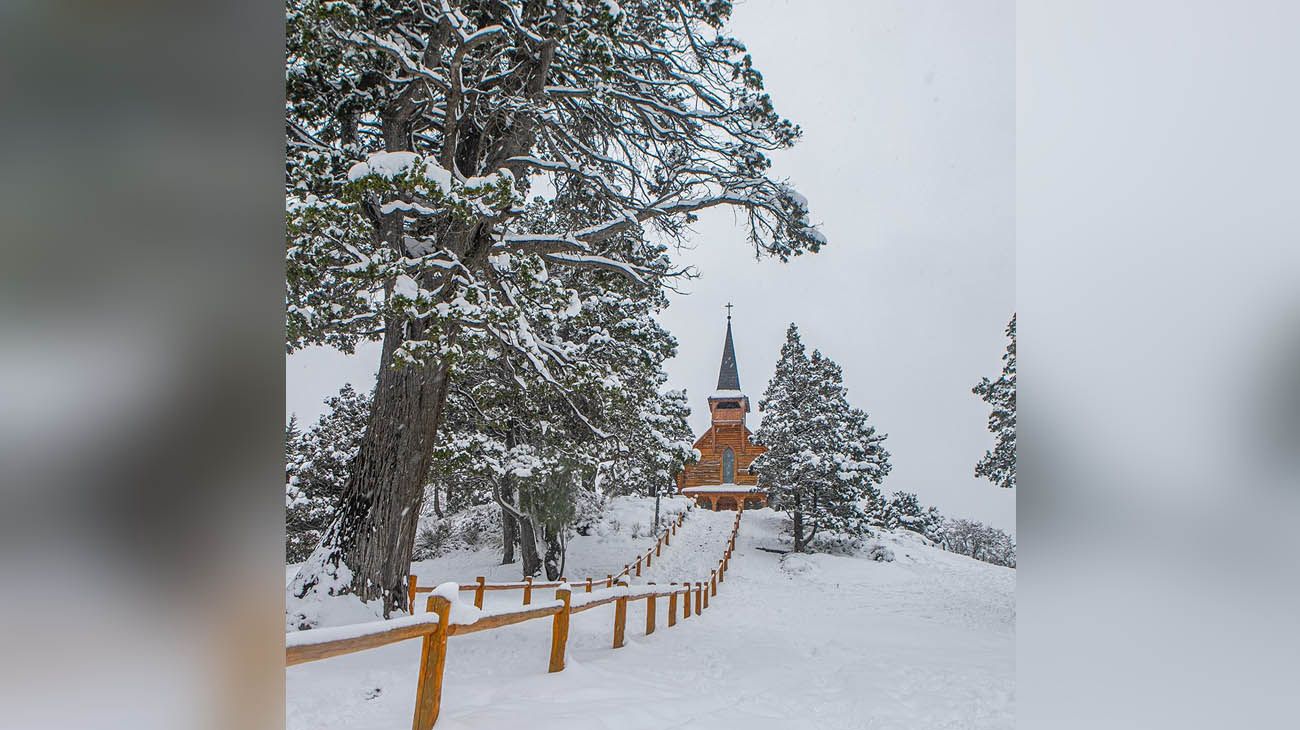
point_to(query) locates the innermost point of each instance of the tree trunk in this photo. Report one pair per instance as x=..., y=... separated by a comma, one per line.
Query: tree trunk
x=373, y=533
x=528, y=553
x=554, y=553
x=509, y=536
x=367, y=550
x=798, y=525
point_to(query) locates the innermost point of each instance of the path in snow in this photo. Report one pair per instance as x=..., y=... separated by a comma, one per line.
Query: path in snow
x=926, y=641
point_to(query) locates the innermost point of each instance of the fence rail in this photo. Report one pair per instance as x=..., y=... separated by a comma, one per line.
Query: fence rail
x=527, y=585
x=446, y=617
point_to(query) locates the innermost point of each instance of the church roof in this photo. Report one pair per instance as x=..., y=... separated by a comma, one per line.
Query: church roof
x=728, y=377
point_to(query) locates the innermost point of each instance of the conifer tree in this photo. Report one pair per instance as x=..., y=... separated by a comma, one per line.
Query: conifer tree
x=538, y=449
x=999, y=464
x=316, y=467
x=415, y=133
x=823, y=456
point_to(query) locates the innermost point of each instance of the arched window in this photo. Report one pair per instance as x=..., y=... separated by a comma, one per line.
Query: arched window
x=728, y=466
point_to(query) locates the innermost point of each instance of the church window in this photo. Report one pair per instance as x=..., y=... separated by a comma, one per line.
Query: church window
x=728, y=466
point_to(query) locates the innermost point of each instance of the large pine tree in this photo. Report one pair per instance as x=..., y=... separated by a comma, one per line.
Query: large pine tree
x=823, y=458
x=417, y=130
x=999, y=464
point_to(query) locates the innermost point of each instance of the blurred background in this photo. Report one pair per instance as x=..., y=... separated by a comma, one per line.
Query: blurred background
x=142, y=363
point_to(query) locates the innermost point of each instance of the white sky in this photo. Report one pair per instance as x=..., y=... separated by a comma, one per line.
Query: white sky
x=908, y=163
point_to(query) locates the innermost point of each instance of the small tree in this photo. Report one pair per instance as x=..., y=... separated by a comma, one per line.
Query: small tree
x=999, y=464
x=316, y=467
x=979, y=541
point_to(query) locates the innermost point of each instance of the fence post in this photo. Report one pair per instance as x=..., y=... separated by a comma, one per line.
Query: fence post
x=433, y=659
x=649, y=556
x=650, y=614
x=609, y=581
x=699, y=597
x=528, y=590
x=713, y=583
x=659, y=546
x=705, y=587
x=638, y=566
x=560, y=630
x=667, y=533
x=589, y=585
x=686, y=600
x=410, y=594
x=620, y=620
x=722, y=570
x=478, y=593
x=672, y=606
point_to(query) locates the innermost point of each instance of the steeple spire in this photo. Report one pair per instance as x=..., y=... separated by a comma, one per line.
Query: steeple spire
x=728, y=377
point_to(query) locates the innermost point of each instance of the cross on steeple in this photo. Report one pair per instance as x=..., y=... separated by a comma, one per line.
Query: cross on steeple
x=728, y=310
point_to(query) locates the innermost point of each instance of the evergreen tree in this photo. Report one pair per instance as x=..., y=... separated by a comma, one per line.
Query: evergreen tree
x=416, y=131
x=904, y=511
x=316, y=467
x=824, y=458
x=999, y=464
x=540, y=448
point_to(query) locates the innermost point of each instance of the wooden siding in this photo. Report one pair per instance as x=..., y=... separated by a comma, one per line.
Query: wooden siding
x=708, y=470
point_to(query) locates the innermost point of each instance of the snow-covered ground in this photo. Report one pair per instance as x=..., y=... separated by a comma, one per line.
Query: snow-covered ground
x=925, y=641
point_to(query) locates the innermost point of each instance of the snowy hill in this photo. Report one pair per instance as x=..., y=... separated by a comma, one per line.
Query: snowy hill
x=790, y=641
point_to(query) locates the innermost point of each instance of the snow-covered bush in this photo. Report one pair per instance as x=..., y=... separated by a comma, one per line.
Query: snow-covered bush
x=469, y=529
x=798, y=564
x=880, y=553
x=980, y=541
x=837, y=543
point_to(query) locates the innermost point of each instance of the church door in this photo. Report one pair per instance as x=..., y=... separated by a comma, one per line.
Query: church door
x=728, y=466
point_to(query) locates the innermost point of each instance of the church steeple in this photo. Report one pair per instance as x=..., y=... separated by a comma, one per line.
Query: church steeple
x=728, y=404
x=728, y=377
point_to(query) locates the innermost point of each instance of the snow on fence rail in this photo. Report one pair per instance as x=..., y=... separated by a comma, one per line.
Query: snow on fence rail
x=527, y=584
x=448, y=617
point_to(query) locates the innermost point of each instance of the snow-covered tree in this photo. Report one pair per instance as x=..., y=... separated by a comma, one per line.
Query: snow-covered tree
x=902, y=510
x=999, y=464
x=316, y=468
x=823, y=456
x=537, y=448
x=417, y=130
x=979, y=541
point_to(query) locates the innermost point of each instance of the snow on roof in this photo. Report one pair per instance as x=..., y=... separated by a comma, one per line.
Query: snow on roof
x=725, y=488
x=727, y=394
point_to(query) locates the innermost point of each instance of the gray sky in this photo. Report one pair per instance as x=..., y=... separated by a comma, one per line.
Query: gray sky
x=908, y=163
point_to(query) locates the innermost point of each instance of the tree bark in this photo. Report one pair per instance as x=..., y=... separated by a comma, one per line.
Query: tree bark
x=554, y=553
x=528, y=552
x=509, y=536
x=798, y=525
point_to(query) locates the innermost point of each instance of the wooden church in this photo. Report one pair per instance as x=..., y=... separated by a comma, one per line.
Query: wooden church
x=721, y=479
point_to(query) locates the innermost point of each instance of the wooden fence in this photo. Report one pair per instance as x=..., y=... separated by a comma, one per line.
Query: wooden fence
x=441, y=623
x=480, y=585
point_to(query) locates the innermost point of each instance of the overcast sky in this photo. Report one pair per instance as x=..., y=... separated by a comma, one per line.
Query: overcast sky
x=908, y=163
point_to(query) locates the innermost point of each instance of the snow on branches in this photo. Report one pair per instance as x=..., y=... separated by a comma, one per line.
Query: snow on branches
x=416, y=131
x=824, y=458
x=999, y=464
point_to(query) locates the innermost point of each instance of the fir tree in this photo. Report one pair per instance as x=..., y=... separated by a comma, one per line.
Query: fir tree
x=823, y=456
x=316, y=468
x=999, y=464
x=416, y=131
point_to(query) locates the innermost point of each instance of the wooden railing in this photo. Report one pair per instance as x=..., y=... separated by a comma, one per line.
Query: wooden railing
x=480, y=584
x=448, y=617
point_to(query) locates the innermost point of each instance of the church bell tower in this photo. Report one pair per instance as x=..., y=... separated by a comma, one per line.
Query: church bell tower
x=722, y=479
